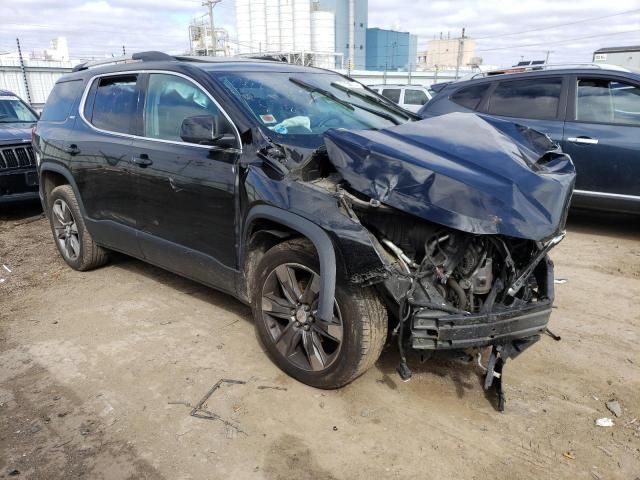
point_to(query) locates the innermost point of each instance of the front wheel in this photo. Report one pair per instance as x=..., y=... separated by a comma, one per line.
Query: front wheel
x=323, y=354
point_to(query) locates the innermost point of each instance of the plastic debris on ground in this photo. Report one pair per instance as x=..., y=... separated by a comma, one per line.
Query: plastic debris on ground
x=604, y=422
x=614, y=407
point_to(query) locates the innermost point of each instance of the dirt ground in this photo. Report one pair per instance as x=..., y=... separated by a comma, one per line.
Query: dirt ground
x=99, y=372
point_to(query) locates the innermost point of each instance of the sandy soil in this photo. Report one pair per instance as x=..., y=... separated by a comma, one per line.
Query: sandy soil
x=99, y=372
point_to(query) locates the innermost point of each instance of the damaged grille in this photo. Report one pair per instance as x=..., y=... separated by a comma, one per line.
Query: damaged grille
x=16, y=157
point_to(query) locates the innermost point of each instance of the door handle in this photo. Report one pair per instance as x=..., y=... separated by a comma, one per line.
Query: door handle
x=142, y=160
x=583, y=140
x=72, y=149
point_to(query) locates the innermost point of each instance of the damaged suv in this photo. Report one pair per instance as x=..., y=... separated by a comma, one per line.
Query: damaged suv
x=331, y=211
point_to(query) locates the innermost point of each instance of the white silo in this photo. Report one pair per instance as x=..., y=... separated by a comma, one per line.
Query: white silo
x=258, y=25
x=302, y=25
x=323, y=38
x=286, y=25
x=272, y=22
x=243, y=25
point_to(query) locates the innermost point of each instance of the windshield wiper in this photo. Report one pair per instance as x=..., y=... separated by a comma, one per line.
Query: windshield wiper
x=349, y=105
x=379, y=101
x=321, y=91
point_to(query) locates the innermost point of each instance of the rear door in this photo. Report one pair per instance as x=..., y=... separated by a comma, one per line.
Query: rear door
x=536, y=102
x=602, y=135
x=186, y=191
x=101, y=159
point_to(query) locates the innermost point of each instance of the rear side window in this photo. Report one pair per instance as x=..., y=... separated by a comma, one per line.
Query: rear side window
x=536, y=98
x=415, y=97
x=392, y=94
x=607, y=101
x=115, y=104
x=470, y=97
x=60, y=101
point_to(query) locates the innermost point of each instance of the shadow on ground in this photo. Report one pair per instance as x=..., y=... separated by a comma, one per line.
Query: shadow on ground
x=14, y=212
x=606, y=224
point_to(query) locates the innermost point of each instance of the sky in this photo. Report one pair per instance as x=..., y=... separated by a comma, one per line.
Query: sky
x=505, y=30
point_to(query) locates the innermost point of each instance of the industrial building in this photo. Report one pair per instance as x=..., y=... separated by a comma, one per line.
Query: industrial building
x=443, y=53
x=627, y=57
x=326, y=33
x=389, y=50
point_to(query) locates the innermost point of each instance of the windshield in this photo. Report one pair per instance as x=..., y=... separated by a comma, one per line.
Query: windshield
x=304, y=103
x=13, y=110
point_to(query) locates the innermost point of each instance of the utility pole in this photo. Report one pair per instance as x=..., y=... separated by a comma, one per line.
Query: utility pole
x=460, y=53
x=546, y=59
x=24, y=72
x=211, y=4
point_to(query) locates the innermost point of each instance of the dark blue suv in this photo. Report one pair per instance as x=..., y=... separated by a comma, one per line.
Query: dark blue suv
x=18, y=176
x=592, y=112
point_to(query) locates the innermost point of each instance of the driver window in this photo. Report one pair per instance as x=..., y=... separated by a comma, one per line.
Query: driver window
x=171, y=99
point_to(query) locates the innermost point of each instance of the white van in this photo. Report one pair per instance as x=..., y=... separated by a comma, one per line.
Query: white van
x=409, y=97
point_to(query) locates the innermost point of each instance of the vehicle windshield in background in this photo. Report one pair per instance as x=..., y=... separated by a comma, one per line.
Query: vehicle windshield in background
x=13, y=110
x=310, y=103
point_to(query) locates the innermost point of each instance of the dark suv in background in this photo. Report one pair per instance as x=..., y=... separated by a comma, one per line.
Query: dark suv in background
x=18, y=176
x=592, y=112
x=326, y=207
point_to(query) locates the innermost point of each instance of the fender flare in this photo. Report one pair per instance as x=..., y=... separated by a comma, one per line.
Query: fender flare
x=321, y=242
x=54, y=167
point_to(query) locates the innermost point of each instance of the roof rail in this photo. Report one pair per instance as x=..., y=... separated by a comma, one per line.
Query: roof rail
x=150, y=56
x=546, y=66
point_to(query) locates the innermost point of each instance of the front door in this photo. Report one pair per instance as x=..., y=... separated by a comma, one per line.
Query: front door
x=602, y=135
x=186, y=191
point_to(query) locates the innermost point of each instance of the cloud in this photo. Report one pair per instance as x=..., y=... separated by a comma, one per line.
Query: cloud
x=498, y=25
x=102, y=27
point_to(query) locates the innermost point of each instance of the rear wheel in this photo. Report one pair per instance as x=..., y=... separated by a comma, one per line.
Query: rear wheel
x=324, y=354
x=73, y=240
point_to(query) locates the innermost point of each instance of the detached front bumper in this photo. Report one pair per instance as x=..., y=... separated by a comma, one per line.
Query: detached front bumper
x=478, y=330
x=440, y=331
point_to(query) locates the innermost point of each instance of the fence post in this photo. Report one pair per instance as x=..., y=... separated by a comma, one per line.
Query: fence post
x=24, y=72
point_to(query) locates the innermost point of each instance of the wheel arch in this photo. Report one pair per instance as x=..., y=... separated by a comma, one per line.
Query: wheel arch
x=52, y=176
x=273, y=225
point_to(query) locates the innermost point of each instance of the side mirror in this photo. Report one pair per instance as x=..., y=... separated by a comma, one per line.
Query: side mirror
x=201, y=130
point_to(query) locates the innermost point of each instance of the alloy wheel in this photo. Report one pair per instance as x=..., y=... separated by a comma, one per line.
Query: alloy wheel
x=289, y=303
x=66, y=230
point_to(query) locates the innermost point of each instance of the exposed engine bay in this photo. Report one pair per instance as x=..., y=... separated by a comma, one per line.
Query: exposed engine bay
x=456, y=290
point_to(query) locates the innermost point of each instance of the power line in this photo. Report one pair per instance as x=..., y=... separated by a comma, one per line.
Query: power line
x=566, y=40
x=558, y=25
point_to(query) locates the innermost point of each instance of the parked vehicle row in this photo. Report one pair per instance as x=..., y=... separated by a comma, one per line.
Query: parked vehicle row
x=592, y=113
x=329, y=209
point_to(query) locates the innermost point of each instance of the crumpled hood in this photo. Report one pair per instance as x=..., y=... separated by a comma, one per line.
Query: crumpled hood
x=465, y=171
x=15, y=132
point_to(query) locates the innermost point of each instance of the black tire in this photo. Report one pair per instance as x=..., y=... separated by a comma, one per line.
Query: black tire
x=82, y=253
x=362, y=315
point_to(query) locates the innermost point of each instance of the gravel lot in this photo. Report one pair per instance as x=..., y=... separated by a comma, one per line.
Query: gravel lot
x=99, y=372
